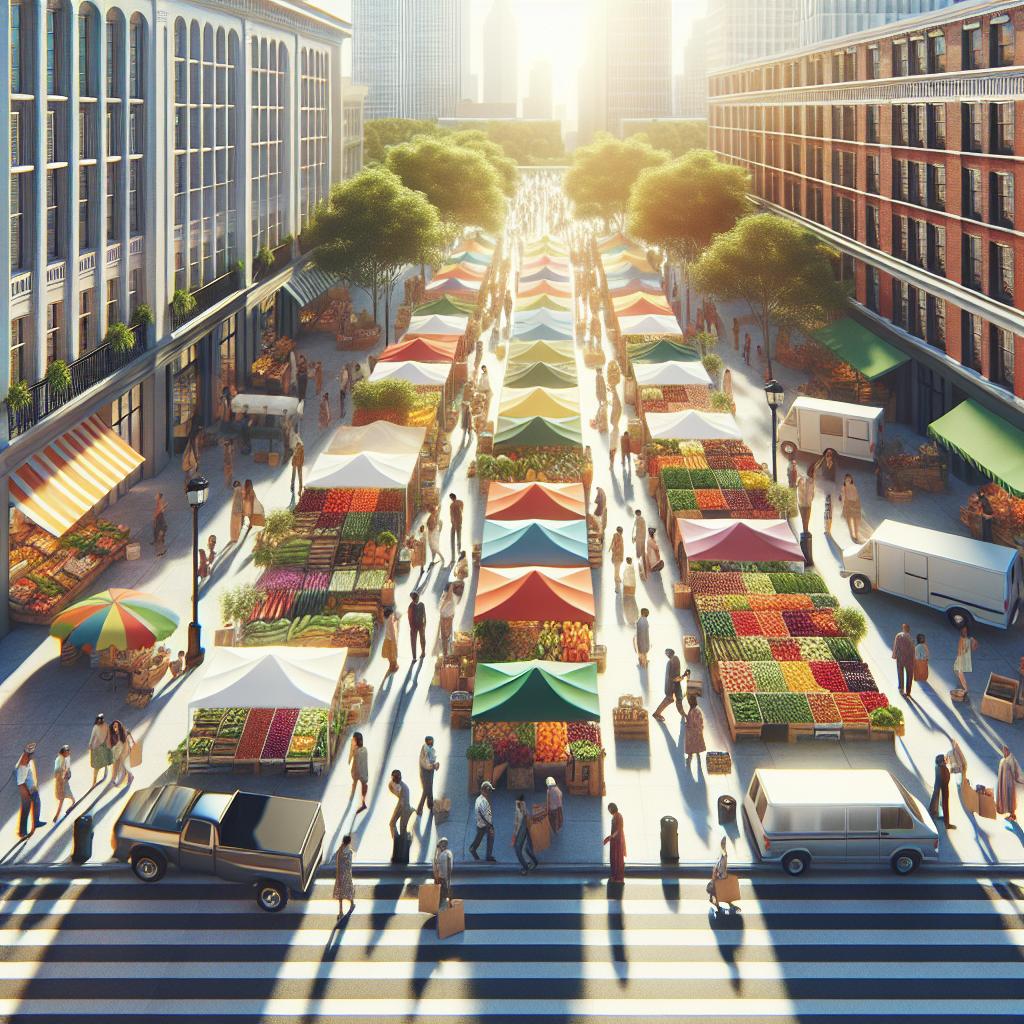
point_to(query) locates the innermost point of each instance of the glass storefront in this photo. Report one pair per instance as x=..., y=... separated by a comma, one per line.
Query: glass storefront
x=126, y=422
x=227, y=364
x=183, y=374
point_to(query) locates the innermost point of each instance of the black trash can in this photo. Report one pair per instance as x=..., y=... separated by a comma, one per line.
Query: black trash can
x=81, y=849
x=669, y=839
x=726, y=810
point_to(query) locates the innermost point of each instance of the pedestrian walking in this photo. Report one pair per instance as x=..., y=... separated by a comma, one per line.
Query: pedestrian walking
x=600, y=387
x=252, y=507
x=446, y=611
x=211, y=549
x=825, y=470
x=652, y=555
x=521, y=841
x=792, y=473
x=434, y=535
x=483, y=386
x=828, y=514
x=344, y=381
x=746, y=349
x=805, y=497
x=301, y=378
x=483, y=816
x=719, y=873
x=640, y=541
x=235, y=530
x=99, y=748
x=673, y=685
x=628, y=578
x=642, y=637
x=461, y=574
x=601, y=508
x=467, y=422
x=554, y=800
x=228, y=445
x=27, y=780
x=298, y=462
x=62, y=780
x=359, y=762
x=736, y=334
x=203, y=568
x=121, y=742
x=344, y=884
x=403, y=810
x=613, y=449
x=626, y=447
x=966, y=645
x=455, y=509
x=693, y=734
x=987, y=515
x=727, y=382
x=417, y=624
x=443, y=868
x=849, y=498
x=921, y=656
x=940, y=791
x=428, y=765
x=318, y=377
x=615, y=412
x=325, y=411
x=903, y=655
x=616, y=843
x=618, y=552
x=1008, y=778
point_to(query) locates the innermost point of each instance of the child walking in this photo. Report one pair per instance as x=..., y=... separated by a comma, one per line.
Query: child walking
x=828, y=515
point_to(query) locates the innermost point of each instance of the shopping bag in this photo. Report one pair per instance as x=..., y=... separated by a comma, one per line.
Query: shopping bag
x=430, y=897
x=987, y=804
x=451, y=920
x=969, y=797
x=727, y=890
x=135, y=755
x=920, y=670
x=658, y=566
x=540, y=833
x=442, y=810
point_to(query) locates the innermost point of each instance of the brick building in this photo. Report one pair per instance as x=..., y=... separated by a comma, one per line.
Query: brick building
x=898, y=145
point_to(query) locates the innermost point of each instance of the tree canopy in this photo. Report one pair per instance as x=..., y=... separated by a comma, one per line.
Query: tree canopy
x=527, y=142
x=382, y=133
x=370, y=228
x=682, y=205
x=474, y=139
x=599, y=182
x=782, y=271
x=675, y=137
x=460, y=183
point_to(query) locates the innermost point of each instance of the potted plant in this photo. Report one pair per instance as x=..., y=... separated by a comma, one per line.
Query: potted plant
x=237, y=604
x=58, y=376
x=706, y=341
x=782, y=499
x=481, y=764
x=713, y=364
x=19, y=396
x=264, y=258
x=721, y=402
x=120, y=337
x=143, y=314
x=183, y=303
x=887, y=722
x=853, y=623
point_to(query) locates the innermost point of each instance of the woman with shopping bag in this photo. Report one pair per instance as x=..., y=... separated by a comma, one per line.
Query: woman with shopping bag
x=723, y=887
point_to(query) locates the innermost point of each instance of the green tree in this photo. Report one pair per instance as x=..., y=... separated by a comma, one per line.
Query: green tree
x=381, y=134
x=528, y=143
x=675, y=137
x=782, y=271
x=603, y=173
x=370, y=228
x=492, y=152
x=460, y=183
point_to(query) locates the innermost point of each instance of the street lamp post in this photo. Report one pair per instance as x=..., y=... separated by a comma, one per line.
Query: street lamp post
x=196, y=491
x=775, y=394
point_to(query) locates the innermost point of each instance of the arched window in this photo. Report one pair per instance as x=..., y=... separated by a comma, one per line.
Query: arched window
x=88, y=53
x=136, y=55
x=115, y=52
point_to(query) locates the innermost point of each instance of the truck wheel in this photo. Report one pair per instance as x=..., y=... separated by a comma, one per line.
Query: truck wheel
x=788, y=449
x=959, y=617
x=903, y=862
x=795, y=863
x=860, y=584
x=148, y=865
x=271, y=896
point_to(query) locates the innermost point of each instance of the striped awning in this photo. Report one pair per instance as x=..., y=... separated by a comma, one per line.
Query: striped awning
x=309, y=283
x=59, y=484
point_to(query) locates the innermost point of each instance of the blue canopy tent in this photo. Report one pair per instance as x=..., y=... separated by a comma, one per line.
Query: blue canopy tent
x=548, y=542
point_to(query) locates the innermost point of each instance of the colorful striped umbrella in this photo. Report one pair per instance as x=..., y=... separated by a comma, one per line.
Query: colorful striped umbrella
x=125, y=619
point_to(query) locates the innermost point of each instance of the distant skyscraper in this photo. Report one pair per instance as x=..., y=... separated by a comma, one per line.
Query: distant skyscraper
x=500, y=53
x=627, y=71
x=409, y=54
x=826, y=19
x=692, y=84
x=743, y=30
x=539, y=102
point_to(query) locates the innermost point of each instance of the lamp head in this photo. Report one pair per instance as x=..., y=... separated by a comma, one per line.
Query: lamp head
x=774, y=393
x=197, y=491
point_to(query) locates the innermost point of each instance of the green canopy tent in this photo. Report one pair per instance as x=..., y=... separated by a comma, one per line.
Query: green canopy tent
x=538, y=432
x=986, y=441
x=855, y=345
x=446, y=306
x=536, y=691
x=541, y=375
x=660, y=350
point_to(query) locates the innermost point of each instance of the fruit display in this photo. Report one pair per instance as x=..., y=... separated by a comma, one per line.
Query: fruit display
x=552, y=741
x=737, y=676
x=823, y=708
x=784, y=708
x=556, y=465
x=520, y=744
x=744, y=707
x=308, y=727
x=279, y=734
x=577, y=640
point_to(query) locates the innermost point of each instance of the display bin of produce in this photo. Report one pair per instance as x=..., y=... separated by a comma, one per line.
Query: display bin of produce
x=279, y=735
x=630, y=720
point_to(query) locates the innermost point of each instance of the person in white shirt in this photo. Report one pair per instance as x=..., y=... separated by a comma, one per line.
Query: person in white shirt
x=444, y=862
x=484, y=818
x=27, y=780
x=403, y=807
x=428, y=765
x=554, y=799
x=628, y=578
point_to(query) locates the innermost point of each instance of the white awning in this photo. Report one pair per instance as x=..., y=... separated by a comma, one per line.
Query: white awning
x=673, y=372
x=415, y=373
x=367, y=469
x=692, y=425
x=266, y=405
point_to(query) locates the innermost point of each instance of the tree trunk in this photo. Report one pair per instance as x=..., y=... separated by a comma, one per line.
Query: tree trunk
x=387, y=312
x=766, y=333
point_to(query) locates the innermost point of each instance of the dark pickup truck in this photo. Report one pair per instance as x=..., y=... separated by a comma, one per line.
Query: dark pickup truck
x=273, y=842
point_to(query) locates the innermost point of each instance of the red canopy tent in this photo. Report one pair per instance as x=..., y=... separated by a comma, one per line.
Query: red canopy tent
x=536, y=501
x=535, y=594
x=644, y=307
x=545, y=288
x=420, y=348
x=739, y=540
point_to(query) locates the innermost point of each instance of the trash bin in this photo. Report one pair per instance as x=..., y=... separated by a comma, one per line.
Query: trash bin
x=81, y=849
x=669, y=839
x=726, y=810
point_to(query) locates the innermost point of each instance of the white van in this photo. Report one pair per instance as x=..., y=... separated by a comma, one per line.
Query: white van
x=817, y=424
x=970, y=580
x=851, y=815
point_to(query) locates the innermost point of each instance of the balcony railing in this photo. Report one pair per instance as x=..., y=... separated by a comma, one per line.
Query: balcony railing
x=206, y=297
x=90, y=369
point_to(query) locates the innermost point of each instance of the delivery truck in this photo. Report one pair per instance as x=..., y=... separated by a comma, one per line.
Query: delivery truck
x=816, y=424
x=970, y=580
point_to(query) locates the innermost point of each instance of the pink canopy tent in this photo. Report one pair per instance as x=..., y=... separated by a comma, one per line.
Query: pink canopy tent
x=739, y=540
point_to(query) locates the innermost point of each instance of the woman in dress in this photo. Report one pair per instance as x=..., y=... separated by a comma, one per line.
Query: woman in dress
x=693, y=736
x=618, y=552
x=344, y=886
x=99, y=748
x=62, y=780
x=325, y=412
x=652, y=555
x=965, y=647
x=360, y=762
x=248, y=502
x=1007, y=781
x=390, y=647
x=447, y=613
x=849, y=498
x=826, y=471
x=921, y=656
x=121, y=742
x=434, y=535
x=616, y=843
x=236, y=512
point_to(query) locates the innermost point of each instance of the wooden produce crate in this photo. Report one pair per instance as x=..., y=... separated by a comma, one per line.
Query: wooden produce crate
x=462, y=709
x=682, y=596
x=479, y=771
x=719, y=762
x=630, y=720
x=691, y=650
x=740, y=730
x=585, y=778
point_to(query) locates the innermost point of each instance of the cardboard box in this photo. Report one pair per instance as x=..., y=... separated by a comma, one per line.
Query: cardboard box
x=540, y=831
x=451, y=920
x=429, y=897
x=727, y=890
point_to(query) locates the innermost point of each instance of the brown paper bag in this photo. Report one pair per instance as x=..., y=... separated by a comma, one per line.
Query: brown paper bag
x=451, y=920
x=969, y=797
x=727, y=890
x=540, y=833
x=987, y=805
x=135, y=754
x=430, y=897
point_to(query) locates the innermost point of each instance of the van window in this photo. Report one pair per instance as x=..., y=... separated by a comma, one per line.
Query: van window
x=831, y=425
x=833, y=819
x=198, y=833
x=895, y=819
x=755, y=790
x=794, y=819
x=858, y=430
x=761, y=806
x=863, y=819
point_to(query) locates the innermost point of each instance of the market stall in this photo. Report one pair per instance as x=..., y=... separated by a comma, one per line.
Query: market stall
x=535, y=542
x=548, y=403
x=673, y=373
x=512, y=501
x=659, y=350
x=272, y=370
x=271, y=417
x=736, y=540
x=369, y=470
x=692, y=424
x=535, y=593
x=553, y=376
x=558, y=353
x=435, y=376
x=537, y=432
x=380, y=436
x=419, y=349
x=542, y=331
x=666, y=325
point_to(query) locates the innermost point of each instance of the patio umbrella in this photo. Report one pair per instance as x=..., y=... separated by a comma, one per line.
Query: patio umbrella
x=126, y=619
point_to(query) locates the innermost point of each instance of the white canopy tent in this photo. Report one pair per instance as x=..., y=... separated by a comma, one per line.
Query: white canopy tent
x=649, y=324
x=434, y=324
x=364, y=469
x=266, y=405
x=378, y=436
x=433, y=374
x=671, y=373
x=691, y=425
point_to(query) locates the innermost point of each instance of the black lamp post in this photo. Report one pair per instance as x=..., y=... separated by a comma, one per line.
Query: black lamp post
x=775, y=394
x=196, y=491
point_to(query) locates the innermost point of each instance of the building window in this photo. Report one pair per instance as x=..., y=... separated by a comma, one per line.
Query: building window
x=1001, y=42
x=84, y=192
x=113, y=218
x=937, y=249
x=899, y=237
x=17, y=27
x=871, y=289
x=1000, y=190
x=86, y=58
x=52, y=220
x=126, y=422
x=900, y=180
x=936, y=53
x=54, y=52
x=134, y=197
x=17, y=219
x=936, y=125
x=970, y=341
x=84, y=320
x=971, y=262
x=113, y=56
x=937, y=186
x=1002, y=356
x=136, y=57
x=900, y=304
x=971, y=52
x=872, y=173
x=918, y=183
x=135, y=139
x=900, y=58
x=874, y=63
x=871, y=225
x=873, y=134
x=917, y=244
x=113, y=303
x=935, y=331
x=900, y=125
x=54, y=350
x=917, y=129
x=136, y=293
x=918, y=56
x=970, y=115
x=971, y=194
x=19, y=332
x=1001, y=272
x=1002, y=128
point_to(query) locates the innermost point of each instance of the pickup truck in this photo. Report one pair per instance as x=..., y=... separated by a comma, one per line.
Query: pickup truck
x=273, y=842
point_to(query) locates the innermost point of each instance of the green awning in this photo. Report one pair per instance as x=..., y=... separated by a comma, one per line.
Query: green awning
x=860, y=348
x=536, y=691
x=309, y=283
x=446, y=306
x=986, y=441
